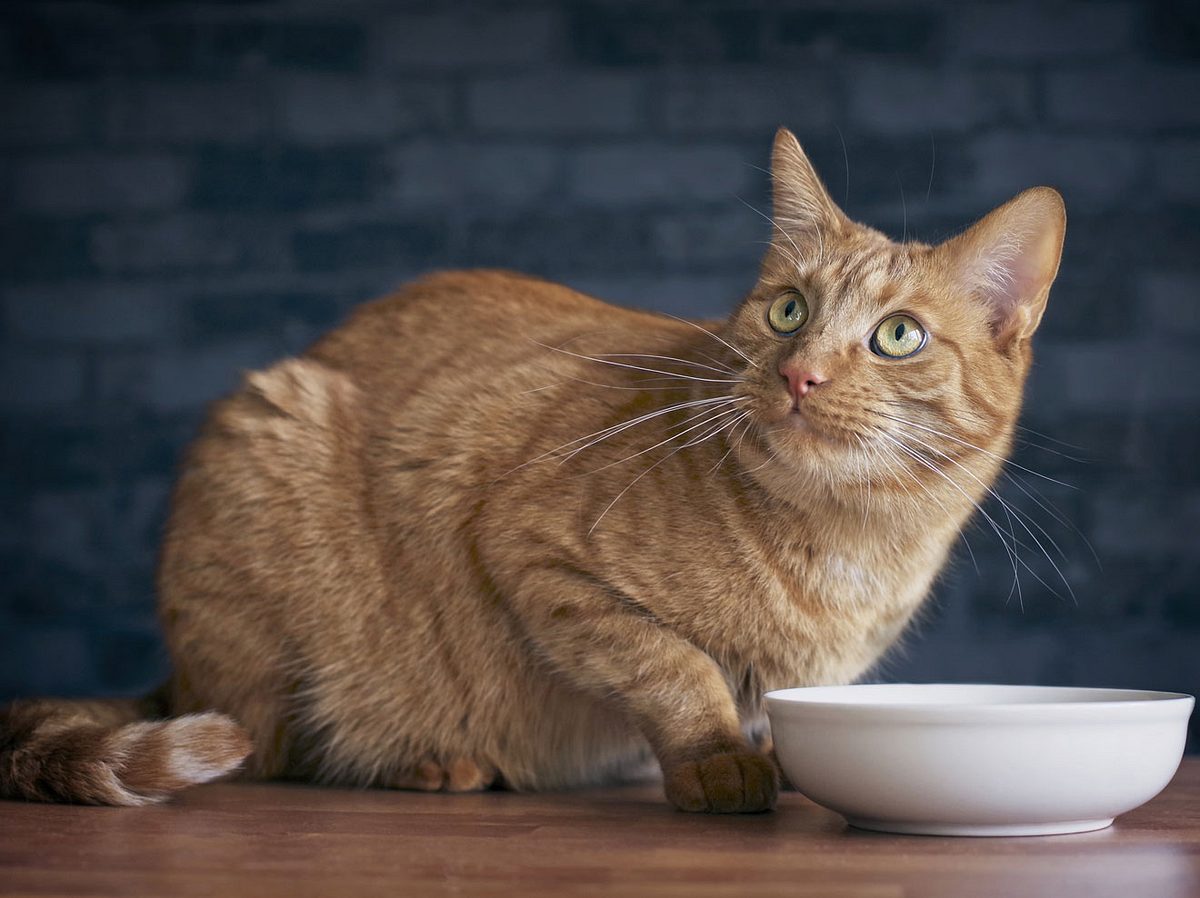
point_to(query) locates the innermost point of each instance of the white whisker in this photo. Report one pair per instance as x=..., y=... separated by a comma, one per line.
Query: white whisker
x=732, y=444
x=712, y=415
x=962, y=532
x=612, y=430
x=1047, y=506
x=936, y=432
x=750, y=361
x=600, y=361
x=924, y=462
x=671, y=454
x=775, y=224
x=615, y=429
x=1010, y=512
x=665, y=358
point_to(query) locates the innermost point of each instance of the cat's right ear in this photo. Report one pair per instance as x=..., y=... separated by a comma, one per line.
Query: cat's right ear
x=800, y=203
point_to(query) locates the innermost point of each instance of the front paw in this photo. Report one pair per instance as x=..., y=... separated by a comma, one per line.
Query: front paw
x=735, y=782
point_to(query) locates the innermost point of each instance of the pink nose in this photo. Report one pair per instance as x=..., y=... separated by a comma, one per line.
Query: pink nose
x=800, y=380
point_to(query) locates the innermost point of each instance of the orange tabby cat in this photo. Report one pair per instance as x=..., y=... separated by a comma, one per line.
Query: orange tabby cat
x=494, y=531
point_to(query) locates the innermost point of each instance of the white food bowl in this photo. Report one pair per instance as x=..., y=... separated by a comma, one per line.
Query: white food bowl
x=967, y=760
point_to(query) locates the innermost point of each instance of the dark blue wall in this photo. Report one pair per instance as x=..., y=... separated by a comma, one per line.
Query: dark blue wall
x=192, y=189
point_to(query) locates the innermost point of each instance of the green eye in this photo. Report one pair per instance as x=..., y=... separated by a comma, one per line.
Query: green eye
x=898, y=337
x=788, y=312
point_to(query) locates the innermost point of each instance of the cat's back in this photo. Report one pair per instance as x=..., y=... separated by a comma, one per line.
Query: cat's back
x=473, y=321
x=436, y=372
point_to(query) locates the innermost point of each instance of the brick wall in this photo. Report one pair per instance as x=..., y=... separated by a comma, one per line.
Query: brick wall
x=192, y=189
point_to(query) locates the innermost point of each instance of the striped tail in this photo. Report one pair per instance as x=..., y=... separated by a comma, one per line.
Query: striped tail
x=109, y=752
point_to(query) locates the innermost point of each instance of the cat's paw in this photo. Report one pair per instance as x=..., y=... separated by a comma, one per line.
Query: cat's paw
x=458, y=775
x=736, y=782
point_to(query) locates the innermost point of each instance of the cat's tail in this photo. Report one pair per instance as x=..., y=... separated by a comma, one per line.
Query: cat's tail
x=108, y=752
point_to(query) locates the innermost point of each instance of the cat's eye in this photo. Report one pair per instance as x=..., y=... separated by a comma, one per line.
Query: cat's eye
x=898, y=337
x=788, y=312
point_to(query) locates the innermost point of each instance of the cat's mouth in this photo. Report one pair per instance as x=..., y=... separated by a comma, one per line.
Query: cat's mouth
x=796, y=419
x=801, y=421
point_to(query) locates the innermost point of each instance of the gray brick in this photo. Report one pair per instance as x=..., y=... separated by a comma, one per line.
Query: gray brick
x=215, y=314
x=715, y=238
x=719, y=101
x=95, y=43
x=42, y=659
x=1177, y=170
x=1182, y=610
x=1150, y=524
x=182, y=112
x=580, y=242
x=1091, y=172
x=901, y=99
x=65, y=525
x=1124, y=237
x=331, y=109
x=879, y=163
x=695, y=296
x=830, y=32
x=445, y=174
x=1091, y=376
x=1161, y=448
x=469, y=37
x=102, y=41
x=1125, y=97
x=53, y=449
x=282, y=178
x=1091, y=298
x=131, y=659
x=637, y=34
x=649, y=173
x=567, y=102
x=178, y=379
x=8, y=50
x=1169, y=300
x=91, y=313
x=43, y=114
x=190, y=241
x=1174, y=29
x=317, y=44
x=1031, y=30
x=44, y=249
x=389, y=245
x=44, y=590
x=35, y=380
x=72, y=185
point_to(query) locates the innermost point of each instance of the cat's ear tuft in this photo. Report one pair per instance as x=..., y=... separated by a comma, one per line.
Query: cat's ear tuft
x=800, y=202
x=1009, y=259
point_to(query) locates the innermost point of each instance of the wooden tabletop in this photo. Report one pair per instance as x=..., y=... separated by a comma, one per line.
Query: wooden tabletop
x=297, y=841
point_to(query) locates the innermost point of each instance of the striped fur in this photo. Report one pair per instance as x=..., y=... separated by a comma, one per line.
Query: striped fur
x=102, y=752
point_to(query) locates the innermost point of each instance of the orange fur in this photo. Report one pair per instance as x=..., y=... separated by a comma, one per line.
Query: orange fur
x=379, y=565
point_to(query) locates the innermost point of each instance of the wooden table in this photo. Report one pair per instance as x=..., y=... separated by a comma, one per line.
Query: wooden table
x=294, y=841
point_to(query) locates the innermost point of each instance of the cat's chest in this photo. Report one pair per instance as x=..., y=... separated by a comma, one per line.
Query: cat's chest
x=802, y=571
x=823, y=613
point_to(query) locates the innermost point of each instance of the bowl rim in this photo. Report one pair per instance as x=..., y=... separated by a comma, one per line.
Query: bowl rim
x=1140, y=703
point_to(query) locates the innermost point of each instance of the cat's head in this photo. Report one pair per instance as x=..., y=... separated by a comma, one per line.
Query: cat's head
x=870, y=357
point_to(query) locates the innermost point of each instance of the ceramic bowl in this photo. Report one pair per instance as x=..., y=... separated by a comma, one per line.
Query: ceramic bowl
x=970, y=760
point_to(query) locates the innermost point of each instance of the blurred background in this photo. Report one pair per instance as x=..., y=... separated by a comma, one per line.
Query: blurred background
x=191, y=189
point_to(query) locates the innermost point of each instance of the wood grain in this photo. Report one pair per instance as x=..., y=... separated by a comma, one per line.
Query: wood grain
x=298, y=841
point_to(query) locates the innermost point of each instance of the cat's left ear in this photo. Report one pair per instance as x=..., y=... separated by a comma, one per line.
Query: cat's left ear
x=1009, y=259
